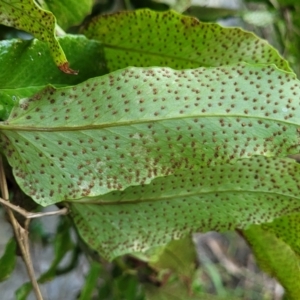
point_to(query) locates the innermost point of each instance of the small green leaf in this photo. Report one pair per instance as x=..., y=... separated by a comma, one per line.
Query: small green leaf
x=90, y=281
x=259, y=18
x=8, y=259
x=68, y=12
x=288, y=2
x=177, y=5
x=23, y=291
x=286, y=228
x=28, y=16
x=276, y=257
x=204, y=13
x=151, y=38
x=178, y=291
x=131, y=126
x=179, y=256
x=250, y=191
x=27, y=67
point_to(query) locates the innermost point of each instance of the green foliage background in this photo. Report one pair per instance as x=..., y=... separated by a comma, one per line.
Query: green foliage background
x=137, y=171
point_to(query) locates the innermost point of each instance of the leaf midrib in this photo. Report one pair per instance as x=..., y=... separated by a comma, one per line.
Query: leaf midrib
x=158, y=54
x=156, y=199
x=5, y=126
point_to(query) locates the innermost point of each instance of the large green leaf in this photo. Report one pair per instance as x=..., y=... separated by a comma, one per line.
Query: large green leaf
x=151, y=38
x=27, y=67
x=68, y=13
x=250, y=191
x=28, y=16
x=133, y=125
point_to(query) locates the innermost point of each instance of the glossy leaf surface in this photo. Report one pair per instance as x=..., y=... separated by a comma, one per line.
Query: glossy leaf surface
x=69, y=13
x=27, y=67
x=28, y=16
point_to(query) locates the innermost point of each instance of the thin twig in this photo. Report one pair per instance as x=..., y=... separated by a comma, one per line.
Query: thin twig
x=21, y=235
x=31, y=215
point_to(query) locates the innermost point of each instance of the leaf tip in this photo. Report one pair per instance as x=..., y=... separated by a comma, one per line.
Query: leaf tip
x=66, y=69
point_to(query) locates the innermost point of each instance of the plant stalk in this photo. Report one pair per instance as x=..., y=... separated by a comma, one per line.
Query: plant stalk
x=21, y=234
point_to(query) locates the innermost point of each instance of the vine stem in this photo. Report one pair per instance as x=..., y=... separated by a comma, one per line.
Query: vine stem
x=21, y=234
